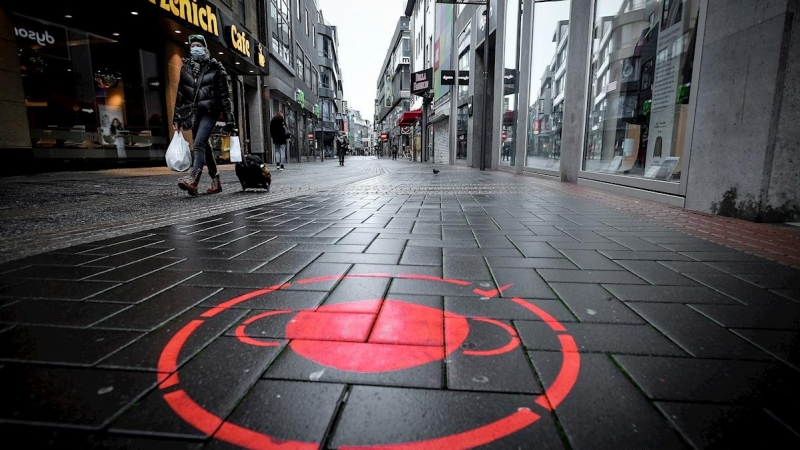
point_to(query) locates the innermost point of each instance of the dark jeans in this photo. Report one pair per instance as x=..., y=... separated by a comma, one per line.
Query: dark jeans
x=203, y=153
x=341, y=157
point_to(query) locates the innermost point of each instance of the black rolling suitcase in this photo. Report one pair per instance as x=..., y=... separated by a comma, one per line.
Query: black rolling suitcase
x=253, y=173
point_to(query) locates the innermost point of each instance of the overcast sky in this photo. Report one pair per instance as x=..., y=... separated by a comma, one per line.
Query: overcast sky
x=365, y=29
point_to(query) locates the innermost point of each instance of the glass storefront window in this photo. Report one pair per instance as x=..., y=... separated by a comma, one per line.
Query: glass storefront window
x=463, y=125
x=85, y=92
x=510, y=81
x=548, y=80
x=640, y=87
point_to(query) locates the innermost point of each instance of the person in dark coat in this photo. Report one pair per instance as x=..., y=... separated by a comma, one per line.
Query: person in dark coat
x=280, y=135
x=204, y=94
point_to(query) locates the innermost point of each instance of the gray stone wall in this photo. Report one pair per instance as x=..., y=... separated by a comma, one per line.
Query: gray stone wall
x=743, y=157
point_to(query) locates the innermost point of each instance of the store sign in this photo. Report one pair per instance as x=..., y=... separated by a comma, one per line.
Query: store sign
x=195, y=12
x=310, y=136
x=300, y=97
x=384, y=137
x=448, y=77
x=421, y=81
x=405, y=130
x=510, y=76
x=47, y=40
x=238, y=40
x=261, y=60
x=316, y=110
x=463, y=78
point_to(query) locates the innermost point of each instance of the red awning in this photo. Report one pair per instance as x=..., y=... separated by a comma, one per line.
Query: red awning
x=409, y=117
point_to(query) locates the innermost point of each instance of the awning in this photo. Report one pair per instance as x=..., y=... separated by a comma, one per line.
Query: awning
x=409, y=117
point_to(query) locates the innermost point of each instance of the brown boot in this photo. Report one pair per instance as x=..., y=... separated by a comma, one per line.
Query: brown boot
x=189, y=184
x=216, y=185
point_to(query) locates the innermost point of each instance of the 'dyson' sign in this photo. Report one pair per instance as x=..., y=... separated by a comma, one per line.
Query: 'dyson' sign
x=421, y=81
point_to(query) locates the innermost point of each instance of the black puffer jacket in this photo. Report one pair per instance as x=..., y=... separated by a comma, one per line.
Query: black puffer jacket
x=214, y=96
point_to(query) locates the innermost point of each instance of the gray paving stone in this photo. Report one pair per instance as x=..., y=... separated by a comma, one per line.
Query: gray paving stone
x=724, y=426
x=390, y=246
x=774, y=280
x=525, y=283
x=751, y=267
x=464, y=251
x=599, y=338
x=136, y=269
x=590, y=260
x=590, y=276
x=358, y=258
x=711, y=380
x=695, y=333
x=158, y=309
x=465, y=268
x=655, y=273
x=721, y=256
x=499, y=262
x=743, y=291
x=592, y=303
x=671, y=294
x=537, y=250
x=63, y=313
x=646, y=256
x=288, y=262
x=689, y=266
x=506, y=309
x=357, y=238
x=767, y=317
x=783, y=345
x=56, y=289
x=620, y=416
x=383, y=416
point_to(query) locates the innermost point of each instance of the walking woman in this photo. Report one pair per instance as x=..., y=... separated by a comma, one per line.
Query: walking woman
x=204, y=95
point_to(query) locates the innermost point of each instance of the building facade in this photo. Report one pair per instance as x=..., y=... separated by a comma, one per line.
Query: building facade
x=393, y=96
x=102, y=92
x=358, y=132
x=292, y=86
x=330, y=87
x=642, y=97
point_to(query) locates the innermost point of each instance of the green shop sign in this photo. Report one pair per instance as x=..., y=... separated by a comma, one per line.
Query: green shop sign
x=300, y=97
x=316, y=110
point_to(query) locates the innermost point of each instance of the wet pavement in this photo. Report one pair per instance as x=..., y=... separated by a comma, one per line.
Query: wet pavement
x=395, y=308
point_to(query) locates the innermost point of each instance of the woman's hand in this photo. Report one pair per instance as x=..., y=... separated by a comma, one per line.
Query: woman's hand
x=175, y=126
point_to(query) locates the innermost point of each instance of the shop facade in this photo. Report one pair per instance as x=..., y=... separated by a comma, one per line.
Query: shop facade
x=104, y=91
x=655, y=99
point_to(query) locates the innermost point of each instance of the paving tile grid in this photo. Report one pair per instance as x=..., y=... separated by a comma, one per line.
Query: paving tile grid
x=683, y=342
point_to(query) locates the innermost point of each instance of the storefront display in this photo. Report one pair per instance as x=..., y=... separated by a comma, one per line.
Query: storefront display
x=548, y=85
x=639, y=96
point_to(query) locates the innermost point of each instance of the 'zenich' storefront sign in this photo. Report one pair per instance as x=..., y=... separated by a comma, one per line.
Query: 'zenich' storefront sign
x=193, y=12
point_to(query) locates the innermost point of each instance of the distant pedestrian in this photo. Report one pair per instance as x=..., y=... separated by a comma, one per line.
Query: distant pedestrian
x=394, y=151
x=280, y=134
x=341, y=149
x=204, y=94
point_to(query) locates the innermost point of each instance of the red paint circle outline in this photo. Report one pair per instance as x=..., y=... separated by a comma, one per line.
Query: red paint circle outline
x=206, y=422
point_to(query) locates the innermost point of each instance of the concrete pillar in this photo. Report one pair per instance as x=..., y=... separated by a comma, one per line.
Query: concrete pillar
x=479, y=98
x=744, y=160
x=13, y=113
x=524, y=97
x=499, y=69
x=573, y=133
x=255, y=114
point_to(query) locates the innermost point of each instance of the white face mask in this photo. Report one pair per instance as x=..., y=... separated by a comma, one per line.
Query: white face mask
x=198, y=52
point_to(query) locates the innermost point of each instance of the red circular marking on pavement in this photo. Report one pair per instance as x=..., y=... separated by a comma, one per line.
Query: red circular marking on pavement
x=417, y=330
x=419, y=318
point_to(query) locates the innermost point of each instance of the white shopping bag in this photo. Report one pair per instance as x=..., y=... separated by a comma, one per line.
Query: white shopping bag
x=236, y=150
x=179, y=157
